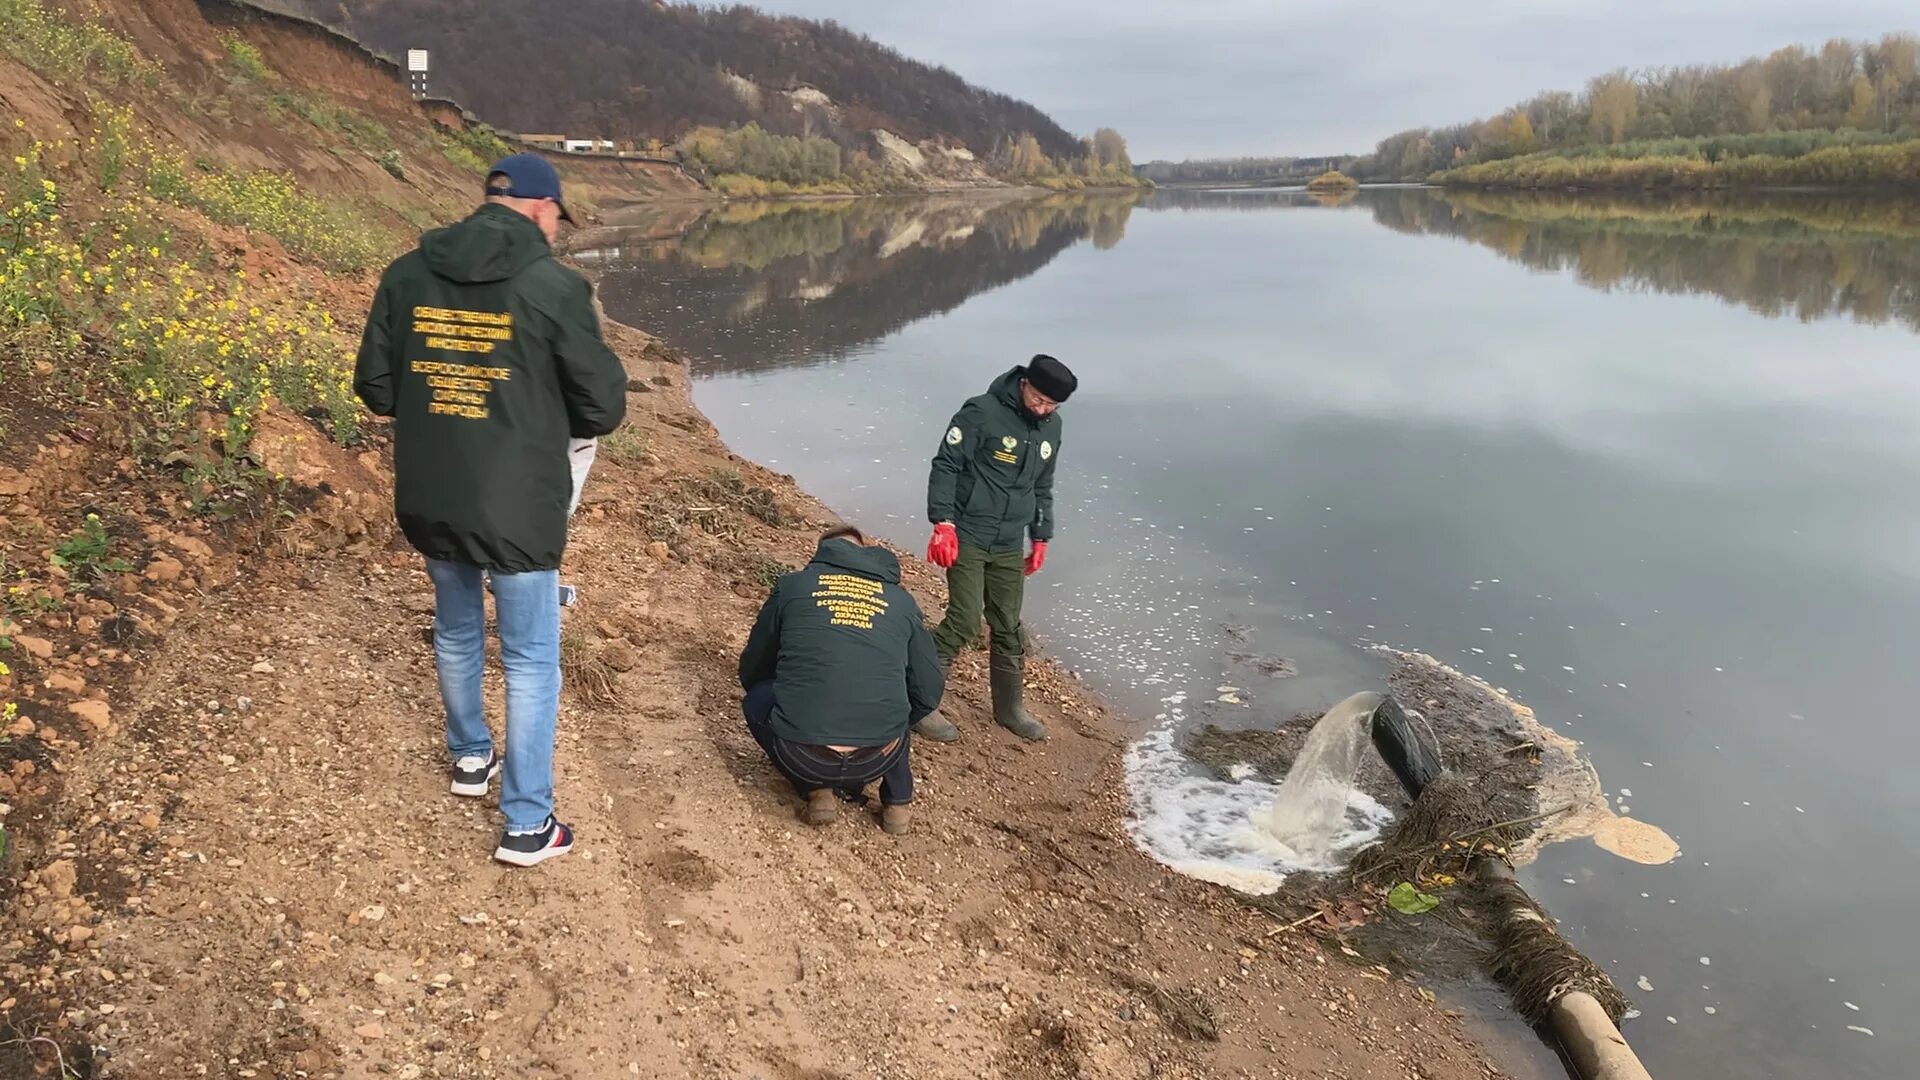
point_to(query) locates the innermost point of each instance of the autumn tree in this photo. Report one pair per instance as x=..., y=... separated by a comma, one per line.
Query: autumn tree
x=1614, y=103
x=1860, y=107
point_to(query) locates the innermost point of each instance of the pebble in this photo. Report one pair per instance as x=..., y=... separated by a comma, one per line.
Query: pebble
x=373, y=1032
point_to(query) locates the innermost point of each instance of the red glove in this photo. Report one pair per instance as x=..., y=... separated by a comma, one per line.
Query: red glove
x=1037, y=557
x=944, y=548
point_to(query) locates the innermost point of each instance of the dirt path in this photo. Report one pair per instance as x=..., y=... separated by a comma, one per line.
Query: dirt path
x=275, y=882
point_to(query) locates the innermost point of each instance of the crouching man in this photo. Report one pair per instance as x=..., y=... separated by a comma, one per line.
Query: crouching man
x=837, y=669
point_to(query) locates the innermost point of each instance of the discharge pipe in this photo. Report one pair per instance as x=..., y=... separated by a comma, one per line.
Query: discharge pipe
x=1589, y=1039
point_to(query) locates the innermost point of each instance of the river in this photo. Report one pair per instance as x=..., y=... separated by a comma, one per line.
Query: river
x=1650, y=466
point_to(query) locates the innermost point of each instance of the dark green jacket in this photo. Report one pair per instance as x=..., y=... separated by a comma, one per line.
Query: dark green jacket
x=993, y=475
x=851, y=660
x=487, y=354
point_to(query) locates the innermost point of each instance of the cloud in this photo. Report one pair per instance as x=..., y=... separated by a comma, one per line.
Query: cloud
x=1203, y=78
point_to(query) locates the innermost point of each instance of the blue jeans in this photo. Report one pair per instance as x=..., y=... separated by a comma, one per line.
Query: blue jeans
x=527, y=610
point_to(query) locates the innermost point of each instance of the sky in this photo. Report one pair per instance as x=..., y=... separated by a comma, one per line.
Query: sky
x=1226, y=78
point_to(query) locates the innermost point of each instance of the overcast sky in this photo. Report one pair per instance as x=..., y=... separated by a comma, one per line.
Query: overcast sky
x=1215, y=78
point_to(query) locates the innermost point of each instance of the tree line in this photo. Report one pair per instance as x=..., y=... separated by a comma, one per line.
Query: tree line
x=1869, y=90
x=1244, y=170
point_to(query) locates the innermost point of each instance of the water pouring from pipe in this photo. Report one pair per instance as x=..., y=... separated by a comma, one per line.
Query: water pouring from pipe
x=1247, y=833
x=1310, y=814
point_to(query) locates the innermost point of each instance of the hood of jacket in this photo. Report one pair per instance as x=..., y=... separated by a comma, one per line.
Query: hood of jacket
x=493, y=244
x=1007, y=389
x=873, y=562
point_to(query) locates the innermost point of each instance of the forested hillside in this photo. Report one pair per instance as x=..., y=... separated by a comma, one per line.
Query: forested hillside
x=1845, y=112
x=642, y=69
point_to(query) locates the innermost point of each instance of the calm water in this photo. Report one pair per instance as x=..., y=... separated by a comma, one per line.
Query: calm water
x=1652, y=467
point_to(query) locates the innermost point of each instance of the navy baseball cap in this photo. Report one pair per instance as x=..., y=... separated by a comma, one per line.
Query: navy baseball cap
x=529, y=176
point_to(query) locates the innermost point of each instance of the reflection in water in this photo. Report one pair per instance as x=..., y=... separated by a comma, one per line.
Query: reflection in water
x=1814, y=256
x=771, y=284
x=1262, y=200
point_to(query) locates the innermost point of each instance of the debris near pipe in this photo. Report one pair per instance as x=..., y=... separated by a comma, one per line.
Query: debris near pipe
x=1452, y=824
x=1447, y=825
x=1530, y=958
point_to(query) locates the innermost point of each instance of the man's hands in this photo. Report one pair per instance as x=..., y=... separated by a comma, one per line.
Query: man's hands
x=1037, y=557
x=944, y=548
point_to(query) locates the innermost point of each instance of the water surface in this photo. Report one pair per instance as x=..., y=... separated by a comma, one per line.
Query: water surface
x=1649, y=466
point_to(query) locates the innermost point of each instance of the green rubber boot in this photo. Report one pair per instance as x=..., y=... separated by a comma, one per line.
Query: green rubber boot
x=1009, y=688
x=933, y=725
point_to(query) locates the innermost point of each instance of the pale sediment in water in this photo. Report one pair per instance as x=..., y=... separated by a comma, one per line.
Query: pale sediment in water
x=1566, y=779
x=1636, y=841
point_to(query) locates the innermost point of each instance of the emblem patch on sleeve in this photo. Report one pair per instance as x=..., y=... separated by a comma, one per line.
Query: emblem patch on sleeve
x=1046, y=451
x=954, y=436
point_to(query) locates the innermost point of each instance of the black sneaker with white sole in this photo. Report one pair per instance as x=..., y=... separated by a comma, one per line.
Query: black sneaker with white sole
x=534, y=848
x=471, y=774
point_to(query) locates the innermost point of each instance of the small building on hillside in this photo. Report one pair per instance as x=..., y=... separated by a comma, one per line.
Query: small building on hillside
x=544, y=142
x=588, y=146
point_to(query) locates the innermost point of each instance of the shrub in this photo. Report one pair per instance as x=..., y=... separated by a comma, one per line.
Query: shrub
x=246, y=58
x=85, y=554
x=754, y=152
x=391, y=162
x=482, y=142
x=1332, y=181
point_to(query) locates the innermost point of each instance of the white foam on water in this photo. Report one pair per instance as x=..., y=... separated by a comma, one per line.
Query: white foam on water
x=1225, y=832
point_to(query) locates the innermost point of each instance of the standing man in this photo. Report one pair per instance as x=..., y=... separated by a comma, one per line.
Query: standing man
x=487, y=354
x=991, y=490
